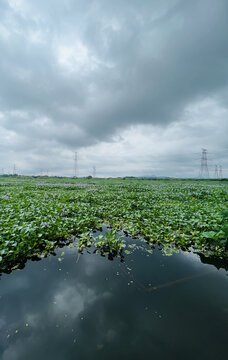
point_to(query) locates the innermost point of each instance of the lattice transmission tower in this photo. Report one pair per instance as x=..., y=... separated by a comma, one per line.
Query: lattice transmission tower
x=220, y=175
x=216, y=172
x=204, y=172
x=14, y=169
x=94, y=171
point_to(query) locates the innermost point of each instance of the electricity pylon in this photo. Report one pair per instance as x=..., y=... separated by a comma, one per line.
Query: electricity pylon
x=216, y=172
x=204, y=173
x=14, y=169
x=220, y=172
x=94, y=172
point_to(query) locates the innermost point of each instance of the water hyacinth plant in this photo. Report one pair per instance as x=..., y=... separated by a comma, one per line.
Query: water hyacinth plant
x=36, y=217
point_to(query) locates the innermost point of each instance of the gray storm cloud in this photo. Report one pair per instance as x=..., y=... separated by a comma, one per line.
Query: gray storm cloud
x=78, y=72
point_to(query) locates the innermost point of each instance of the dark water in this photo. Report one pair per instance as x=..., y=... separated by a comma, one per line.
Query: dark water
x=87, y=307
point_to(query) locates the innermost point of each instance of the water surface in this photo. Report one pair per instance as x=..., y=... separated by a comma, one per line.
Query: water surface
x=67, y=307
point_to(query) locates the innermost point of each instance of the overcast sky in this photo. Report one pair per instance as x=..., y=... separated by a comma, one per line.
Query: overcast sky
x=135, y=87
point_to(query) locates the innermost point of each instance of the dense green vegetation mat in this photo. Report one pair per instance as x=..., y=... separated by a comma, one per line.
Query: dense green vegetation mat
x=37, y=214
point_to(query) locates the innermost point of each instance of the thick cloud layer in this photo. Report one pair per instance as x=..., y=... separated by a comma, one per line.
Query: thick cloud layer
x=76, y=73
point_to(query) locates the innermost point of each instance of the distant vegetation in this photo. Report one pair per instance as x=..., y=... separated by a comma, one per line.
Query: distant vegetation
x=36, y=214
